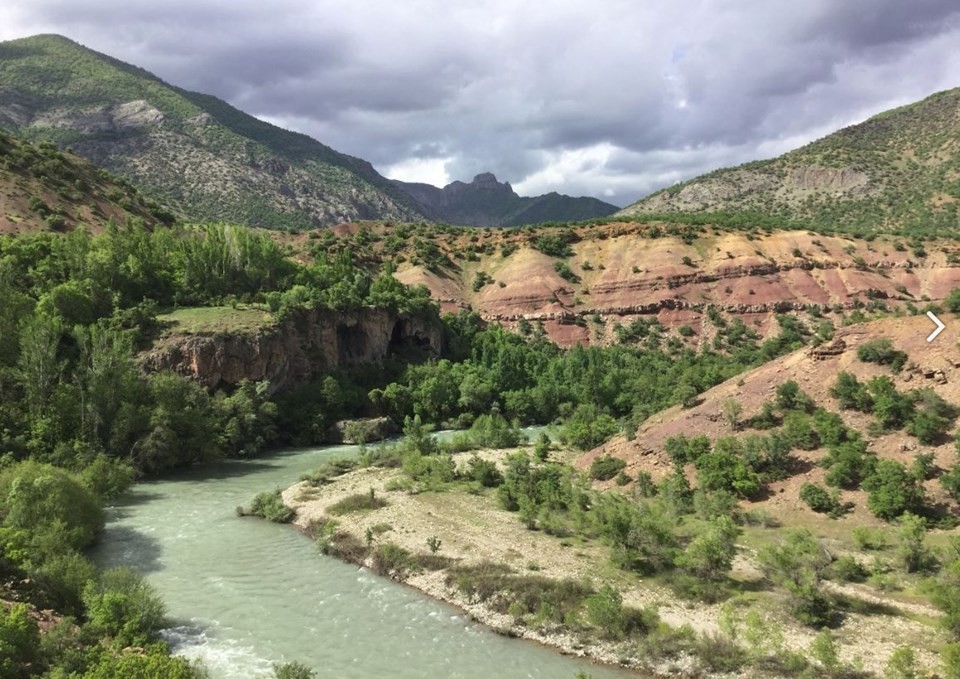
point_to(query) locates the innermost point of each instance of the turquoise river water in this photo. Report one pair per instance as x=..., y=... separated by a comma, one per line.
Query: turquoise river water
x=244, y=593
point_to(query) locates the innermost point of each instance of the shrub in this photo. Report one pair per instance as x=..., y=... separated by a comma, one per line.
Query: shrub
x=606, y=467
x=292, y=670
x=914, y=554
x=392, y=560
x=484, y=472
x=46, y=501
x=718, y=653
x=683, y=450
x=357, y=502
x=269, y=505
x=893, y=491
x=19, y=640
x=709, y=556
x=588, y=427
x=122, y=605
x=108, y=477
x=951, y=661
x=565, y=272
x=798, y=564
x=881, y=351
x=494, y=431
x=945, y=595
x=605, y=612
x=818, y=499
x=869, y=538
x=847, y=569
x=791, y=397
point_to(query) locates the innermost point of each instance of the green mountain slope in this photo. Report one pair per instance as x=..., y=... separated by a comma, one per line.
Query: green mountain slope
x=194, y=152
x=42, y=188
x=897, y=171
x=487, y=202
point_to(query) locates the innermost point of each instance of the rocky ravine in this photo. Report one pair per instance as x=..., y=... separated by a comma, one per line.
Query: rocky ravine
x=294, y=351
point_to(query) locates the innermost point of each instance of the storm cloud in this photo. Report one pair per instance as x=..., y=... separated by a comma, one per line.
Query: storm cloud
x=605, y=98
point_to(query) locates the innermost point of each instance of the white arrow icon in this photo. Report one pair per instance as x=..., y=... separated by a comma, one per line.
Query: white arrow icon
x=940, y=326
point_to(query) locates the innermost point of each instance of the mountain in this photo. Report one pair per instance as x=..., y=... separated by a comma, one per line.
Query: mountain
x=487, y=202
x=42, y=188
x=194, y=152
x=899, y=170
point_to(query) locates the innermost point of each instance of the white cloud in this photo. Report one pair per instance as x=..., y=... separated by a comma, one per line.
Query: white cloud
x=424, y=170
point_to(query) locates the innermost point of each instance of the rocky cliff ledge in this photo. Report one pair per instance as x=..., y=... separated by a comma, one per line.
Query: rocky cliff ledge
x=301, y=348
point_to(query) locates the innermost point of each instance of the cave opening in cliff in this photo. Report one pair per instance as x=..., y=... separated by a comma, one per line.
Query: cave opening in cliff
x=407, y=345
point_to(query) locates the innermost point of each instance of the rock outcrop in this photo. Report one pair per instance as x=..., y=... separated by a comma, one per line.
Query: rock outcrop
x=295, y=351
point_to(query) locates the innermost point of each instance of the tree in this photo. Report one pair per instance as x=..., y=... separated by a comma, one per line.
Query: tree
x=710, y=554
x=893, y=491
x=791, y=397
x=122, y=605
x=731, y=412
x=798, y=564
x=39, y=366
x=19, y=641
x=605, y=611
x=851, y=394
x=914, y=555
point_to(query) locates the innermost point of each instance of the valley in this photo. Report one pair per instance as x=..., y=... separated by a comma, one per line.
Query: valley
x=704, y=435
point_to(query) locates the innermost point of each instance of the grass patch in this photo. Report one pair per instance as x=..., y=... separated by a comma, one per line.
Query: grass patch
x=358, y=502
x=216, y=320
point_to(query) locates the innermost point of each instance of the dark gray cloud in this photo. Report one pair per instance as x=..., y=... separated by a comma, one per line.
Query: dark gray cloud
x=610, y=98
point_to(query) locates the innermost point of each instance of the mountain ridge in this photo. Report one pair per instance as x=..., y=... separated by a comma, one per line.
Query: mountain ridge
x=488, y=202
x=897, y=170
x=195, y=152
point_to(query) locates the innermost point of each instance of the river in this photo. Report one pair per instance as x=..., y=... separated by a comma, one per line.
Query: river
x=243, y=593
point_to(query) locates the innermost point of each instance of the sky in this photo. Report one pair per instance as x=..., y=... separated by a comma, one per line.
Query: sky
x=603, y=98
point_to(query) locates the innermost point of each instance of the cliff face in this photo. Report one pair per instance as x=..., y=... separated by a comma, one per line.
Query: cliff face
x=296, y=351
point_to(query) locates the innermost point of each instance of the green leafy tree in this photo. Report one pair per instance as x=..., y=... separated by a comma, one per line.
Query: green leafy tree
x=123, y=606
x=710, y=554
x=893, y=491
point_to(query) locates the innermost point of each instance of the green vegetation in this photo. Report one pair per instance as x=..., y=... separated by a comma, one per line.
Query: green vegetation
x=269, y=505
x=357, y=503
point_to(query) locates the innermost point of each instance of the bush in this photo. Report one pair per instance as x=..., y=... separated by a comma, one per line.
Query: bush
x=357, y=502
x=269, y=505
x=893, y=491
x=19, y=641
x=588, y=427
x=484, y=472
x=606, y=467
x=709, y=556
x=605, y=612
x=945, y=595
x=53, y=506
x=847, y=569
x=108, y=477
x=881, y=351
x=293, y=670
x=392, y=560
x=819, y=500
x=718, y=653
x=122, y=605
x=494, y=431
x=869, y=538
